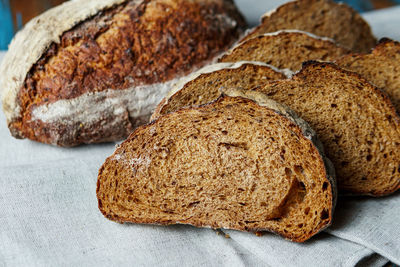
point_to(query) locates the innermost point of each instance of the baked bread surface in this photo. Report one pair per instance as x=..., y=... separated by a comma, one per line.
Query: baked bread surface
x=381, y=67
x=355, y=121
x=203, y=86
x=96, y=69
x=285, y=49
x=233, y=163
x=323, y=18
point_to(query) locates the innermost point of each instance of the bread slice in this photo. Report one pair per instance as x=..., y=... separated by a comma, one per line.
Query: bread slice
x=203, y=86
x=90, y=71
x=355, y=121
x=285, y=49
x=323, y=18
x=234, y=163
x=381, y=67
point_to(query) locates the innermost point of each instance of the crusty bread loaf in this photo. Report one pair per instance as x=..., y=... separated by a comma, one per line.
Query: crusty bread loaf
x=203, y=86
x=381, y=67
x=233, y=163
x=355, y=121
x=285, y=49
x=92, y=70
x=323, y=18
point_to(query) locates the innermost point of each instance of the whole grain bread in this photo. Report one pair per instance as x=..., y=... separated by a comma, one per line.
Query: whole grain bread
x=203, y=86
x=355, y=121
x=236, y=163
x=323, y=18
x=92, y=70
x=381, y=67
x=285, y=49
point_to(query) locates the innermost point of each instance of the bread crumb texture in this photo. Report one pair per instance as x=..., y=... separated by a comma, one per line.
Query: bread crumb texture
x=323, y=18
x=381, y=67
x=285, y=50
x=355, y=121
x=228, y=164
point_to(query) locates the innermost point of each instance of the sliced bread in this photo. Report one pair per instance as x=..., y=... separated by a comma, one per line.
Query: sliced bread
x=203, y=86
x=285, y=49
x=355, y=121
x=381, y=67
x=323, y=18
x=235, y=163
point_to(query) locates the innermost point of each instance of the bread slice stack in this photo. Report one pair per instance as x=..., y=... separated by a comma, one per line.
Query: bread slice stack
x=322, y=18
x=218, y=157
x=285, y=49
x=381, y=67
x=241, y=162
x=204, y=85
x=355, y=121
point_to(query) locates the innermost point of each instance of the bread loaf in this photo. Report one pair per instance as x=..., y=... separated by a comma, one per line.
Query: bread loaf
x=381, y=67
x=203, y=86
x=285, y=49
x=90, y=71
x=320, y=17
x=236, y=163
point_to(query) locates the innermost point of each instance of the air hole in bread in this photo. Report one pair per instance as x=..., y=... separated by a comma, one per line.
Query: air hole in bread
x=324, y=186
x=324, y=215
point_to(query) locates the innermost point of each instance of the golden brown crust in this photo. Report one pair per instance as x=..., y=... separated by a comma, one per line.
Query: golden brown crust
x=122, y=47
x=323, y=18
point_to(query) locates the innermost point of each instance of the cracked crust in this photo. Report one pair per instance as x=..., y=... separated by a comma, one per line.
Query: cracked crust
x=82, y=48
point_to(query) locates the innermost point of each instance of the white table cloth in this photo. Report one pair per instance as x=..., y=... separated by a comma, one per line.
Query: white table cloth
x=49, y=215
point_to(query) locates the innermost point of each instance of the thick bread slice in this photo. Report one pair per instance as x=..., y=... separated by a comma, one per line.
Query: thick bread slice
x=233, y=163
x=202, y=86
x=381, y=67
x=285, y=49
x=90, y=71
x=355, y=121
x=323, y=18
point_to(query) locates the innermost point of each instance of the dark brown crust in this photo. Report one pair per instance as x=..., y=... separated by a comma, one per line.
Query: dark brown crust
x=375, y=90
x=323, y=224
x=124, y=46
x=365, y=35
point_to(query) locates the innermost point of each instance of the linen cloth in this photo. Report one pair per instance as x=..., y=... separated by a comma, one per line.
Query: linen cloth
x=49, y=215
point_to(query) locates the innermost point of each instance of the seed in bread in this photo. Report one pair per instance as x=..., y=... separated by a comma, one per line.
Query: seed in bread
x=286, y=49
x=381, y=67
x=234, y=163
x=90, y=71
x=323, y=18
x=203, y=86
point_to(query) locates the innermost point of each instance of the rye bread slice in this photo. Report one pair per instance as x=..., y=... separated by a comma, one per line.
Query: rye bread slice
x=323, y=18
x=285, y=49
x=355, y=121
x=235, y=163
x=203, y=86
x=381, y=67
